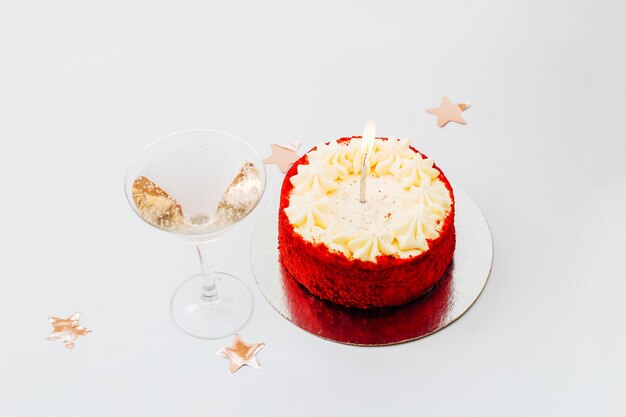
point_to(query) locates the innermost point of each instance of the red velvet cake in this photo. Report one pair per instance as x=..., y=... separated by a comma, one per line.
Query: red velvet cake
x=383, y=252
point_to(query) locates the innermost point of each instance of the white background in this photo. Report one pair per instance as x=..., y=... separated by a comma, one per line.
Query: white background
x=84, y=85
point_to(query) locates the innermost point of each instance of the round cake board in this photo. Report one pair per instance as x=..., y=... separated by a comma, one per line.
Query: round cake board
x=453, y=295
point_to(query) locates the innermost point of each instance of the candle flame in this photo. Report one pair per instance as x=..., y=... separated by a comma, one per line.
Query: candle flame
x=369, y=134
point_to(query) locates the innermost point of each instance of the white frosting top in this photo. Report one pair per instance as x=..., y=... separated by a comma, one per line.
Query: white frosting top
x=406, y=202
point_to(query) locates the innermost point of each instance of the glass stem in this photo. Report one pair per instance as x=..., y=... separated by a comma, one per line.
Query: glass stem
x=209, y=290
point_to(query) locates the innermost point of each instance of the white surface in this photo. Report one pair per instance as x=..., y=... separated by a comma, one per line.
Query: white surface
x=84, y=85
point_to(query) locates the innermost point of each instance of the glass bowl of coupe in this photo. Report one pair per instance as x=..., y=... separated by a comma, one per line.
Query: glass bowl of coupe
x=196, y=184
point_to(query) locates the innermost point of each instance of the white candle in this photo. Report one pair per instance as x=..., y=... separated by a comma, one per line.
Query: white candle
x=367, y=143
x=363, y=184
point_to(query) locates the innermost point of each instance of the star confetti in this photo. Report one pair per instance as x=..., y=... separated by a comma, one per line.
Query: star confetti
x=283, y=155
x=240, y=353
x=448, y=112
x=67, y=330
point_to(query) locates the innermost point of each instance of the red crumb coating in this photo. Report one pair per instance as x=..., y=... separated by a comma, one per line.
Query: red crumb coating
x=355, y=283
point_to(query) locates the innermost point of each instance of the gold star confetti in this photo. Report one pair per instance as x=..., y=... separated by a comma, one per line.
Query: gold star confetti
x=67, y=330
x=240, y=353
x=448, y=112
x=283, y=155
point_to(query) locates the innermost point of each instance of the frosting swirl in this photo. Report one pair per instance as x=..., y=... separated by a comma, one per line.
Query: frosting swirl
x=369, y=246
x=433, y=195
x=394, y=154
x=307, y=211
x=420, y=226
x=316, y=177
x=417, y=171
x=334, y=154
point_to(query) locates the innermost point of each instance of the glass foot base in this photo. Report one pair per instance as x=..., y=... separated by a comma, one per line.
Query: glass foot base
x=212, y=320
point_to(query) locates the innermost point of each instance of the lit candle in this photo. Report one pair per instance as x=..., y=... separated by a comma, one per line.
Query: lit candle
x=367, y=143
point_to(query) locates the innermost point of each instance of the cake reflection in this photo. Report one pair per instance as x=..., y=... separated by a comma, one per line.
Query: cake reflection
x=369, y=327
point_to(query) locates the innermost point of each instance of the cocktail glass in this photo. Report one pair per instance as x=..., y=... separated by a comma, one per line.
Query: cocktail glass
x=196, y=184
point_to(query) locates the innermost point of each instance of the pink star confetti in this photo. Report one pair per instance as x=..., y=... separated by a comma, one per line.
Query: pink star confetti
x=67, y=330
x=240, y=353
x=283, y=155
x=448, y=112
